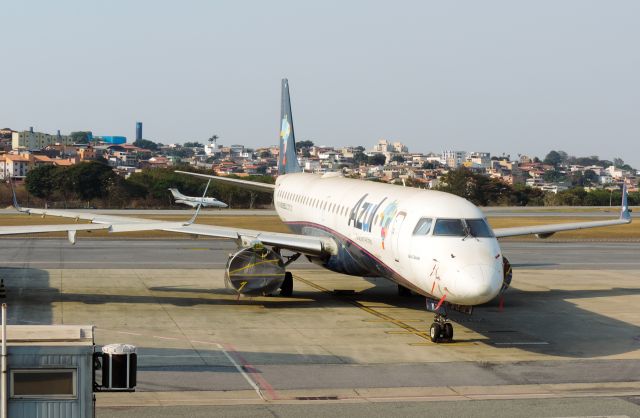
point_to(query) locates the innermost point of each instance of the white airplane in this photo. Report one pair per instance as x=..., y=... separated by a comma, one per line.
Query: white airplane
x=192, y=201
x=432, y=243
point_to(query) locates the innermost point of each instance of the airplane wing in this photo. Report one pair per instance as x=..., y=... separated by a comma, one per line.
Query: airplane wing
x=545, y=231
x=309, y=245
x=39, y=229
x=71, y=230
x=247, y=184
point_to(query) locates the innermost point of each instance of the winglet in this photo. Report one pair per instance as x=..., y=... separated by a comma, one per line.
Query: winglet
x=15, y=198
x=624, y=211
x=195, y=215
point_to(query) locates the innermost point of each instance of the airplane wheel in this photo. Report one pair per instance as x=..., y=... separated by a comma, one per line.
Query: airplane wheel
x=447, y=332
x=403, y=291
x=434, y=332
x=287, y=285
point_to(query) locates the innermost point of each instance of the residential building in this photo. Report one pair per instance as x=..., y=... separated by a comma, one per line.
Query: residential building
x=16, y=166
x=37, y=140
x=454, y=159
x=479, y=159
x=382, y=146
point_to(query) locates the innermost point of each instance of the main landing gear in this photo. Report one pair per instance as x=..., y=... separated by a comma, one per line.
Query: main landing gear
x=286, y=289
x=441, y=330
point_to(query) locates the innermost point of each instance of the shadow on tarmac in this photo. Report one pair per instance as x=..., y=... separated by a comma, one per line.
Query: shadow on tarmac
x=548, y=322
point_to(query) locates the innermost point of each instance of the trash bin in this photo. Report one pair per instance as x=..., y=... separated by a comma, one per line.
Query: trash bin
x=119, y=365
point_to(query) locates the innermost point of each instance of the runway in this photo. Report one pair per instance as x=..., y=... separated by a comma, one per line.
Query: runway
x=570, y=328
x=212, y=254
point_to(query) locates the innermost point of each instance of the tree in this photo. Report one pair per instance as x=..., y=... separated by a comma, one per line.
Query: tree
x=377, y=159
x=265, y=154
x=428, y=165
x=41, y=182
x=360, y=157
x=398, y=158
x=553, y=158
x=214, y=138
x=483, y=190
x=564, y=157
x=80, y=137
x=553, y=176
x=590, y=177
x=303, y=144
x=194, y=144
x=89, y=180
x=146, y=144
x=619, y=163
x=593, y=160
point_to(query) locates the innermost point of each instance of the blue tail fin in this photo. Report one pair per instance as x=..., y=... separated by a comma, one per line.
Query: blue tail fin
x=287, y=160
x=624, y=211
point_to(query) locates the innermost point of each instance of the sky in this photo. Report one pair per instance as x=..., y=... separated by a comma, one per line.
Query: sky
x=514, y=77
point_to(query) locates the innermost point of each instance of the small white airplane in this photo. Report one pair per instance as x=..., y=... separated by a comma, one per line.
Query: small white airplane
x=206, y=202
x=432, y=243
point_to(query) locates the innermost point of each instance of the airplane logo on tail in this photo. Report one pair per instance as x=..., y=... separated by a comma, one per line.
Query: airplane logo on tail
x=285, y=131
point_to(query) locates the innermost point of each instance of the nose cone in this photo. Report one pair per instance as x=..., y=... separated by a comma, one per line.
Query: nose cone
x=478, y=283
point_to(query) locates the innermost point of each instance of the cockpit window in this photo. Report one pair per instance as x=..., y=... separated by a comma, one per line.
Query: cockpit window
x=449, y=227
x=479, y=228
x=423, y=227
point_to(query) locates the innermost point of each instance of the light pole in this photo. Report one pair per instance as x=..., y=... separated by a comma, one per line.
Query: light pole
x=610, y=196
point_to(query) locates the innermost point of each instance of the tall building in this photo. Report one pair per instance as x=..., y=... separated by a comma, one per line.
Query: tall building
x=454, y=159
x=37, y=140
x=382, y=146
x=480, y=159
x=138, y=131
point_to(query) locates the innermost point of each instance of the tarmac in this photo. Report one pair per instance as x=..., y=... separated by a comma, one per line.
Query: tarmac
x=566, y=341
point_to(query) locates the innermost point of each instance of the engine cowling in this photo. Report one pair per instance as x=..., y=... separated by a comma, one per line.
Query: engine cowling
x=255, y=271
x=507, y=275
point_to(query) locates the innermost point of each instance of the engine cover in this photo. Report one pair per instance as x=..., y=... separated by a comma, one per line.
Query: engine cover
x=255, y=271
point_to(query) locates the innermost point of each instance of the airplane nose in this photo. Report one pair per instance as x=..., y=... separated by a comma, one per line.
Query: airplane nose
x=478, y=283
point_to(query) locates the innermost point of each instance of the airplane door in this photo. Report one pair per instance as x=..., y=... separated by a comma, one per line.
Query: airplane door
x=395, y=235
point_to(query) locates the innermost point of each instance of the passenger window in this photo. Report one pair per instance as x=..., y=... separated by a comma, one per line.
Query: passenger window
x=423, y=227
x=449, y=227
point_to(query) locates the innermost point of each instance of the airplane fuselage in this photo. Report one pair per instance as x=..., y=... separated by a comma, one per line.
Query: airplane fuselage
x=194, y=201
x=432, y=242
x=206, y=202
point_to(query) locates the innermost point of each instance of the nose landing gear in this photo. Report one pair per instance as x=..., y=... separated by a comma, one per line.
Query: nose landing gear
x=441, y=330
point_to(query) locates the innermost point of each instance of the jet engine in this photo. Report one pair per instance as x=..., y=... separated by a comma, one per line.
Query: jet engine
x=255, y=271
x=507, y=275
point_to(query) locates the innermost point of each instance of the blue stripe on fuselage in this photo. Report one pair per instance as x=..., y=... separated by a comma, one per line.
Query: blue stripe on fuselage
x=352, y=259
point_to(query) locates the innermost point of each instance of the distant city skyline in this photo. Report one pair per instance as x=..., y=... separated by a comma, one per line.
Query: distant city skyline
x=496, y=76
